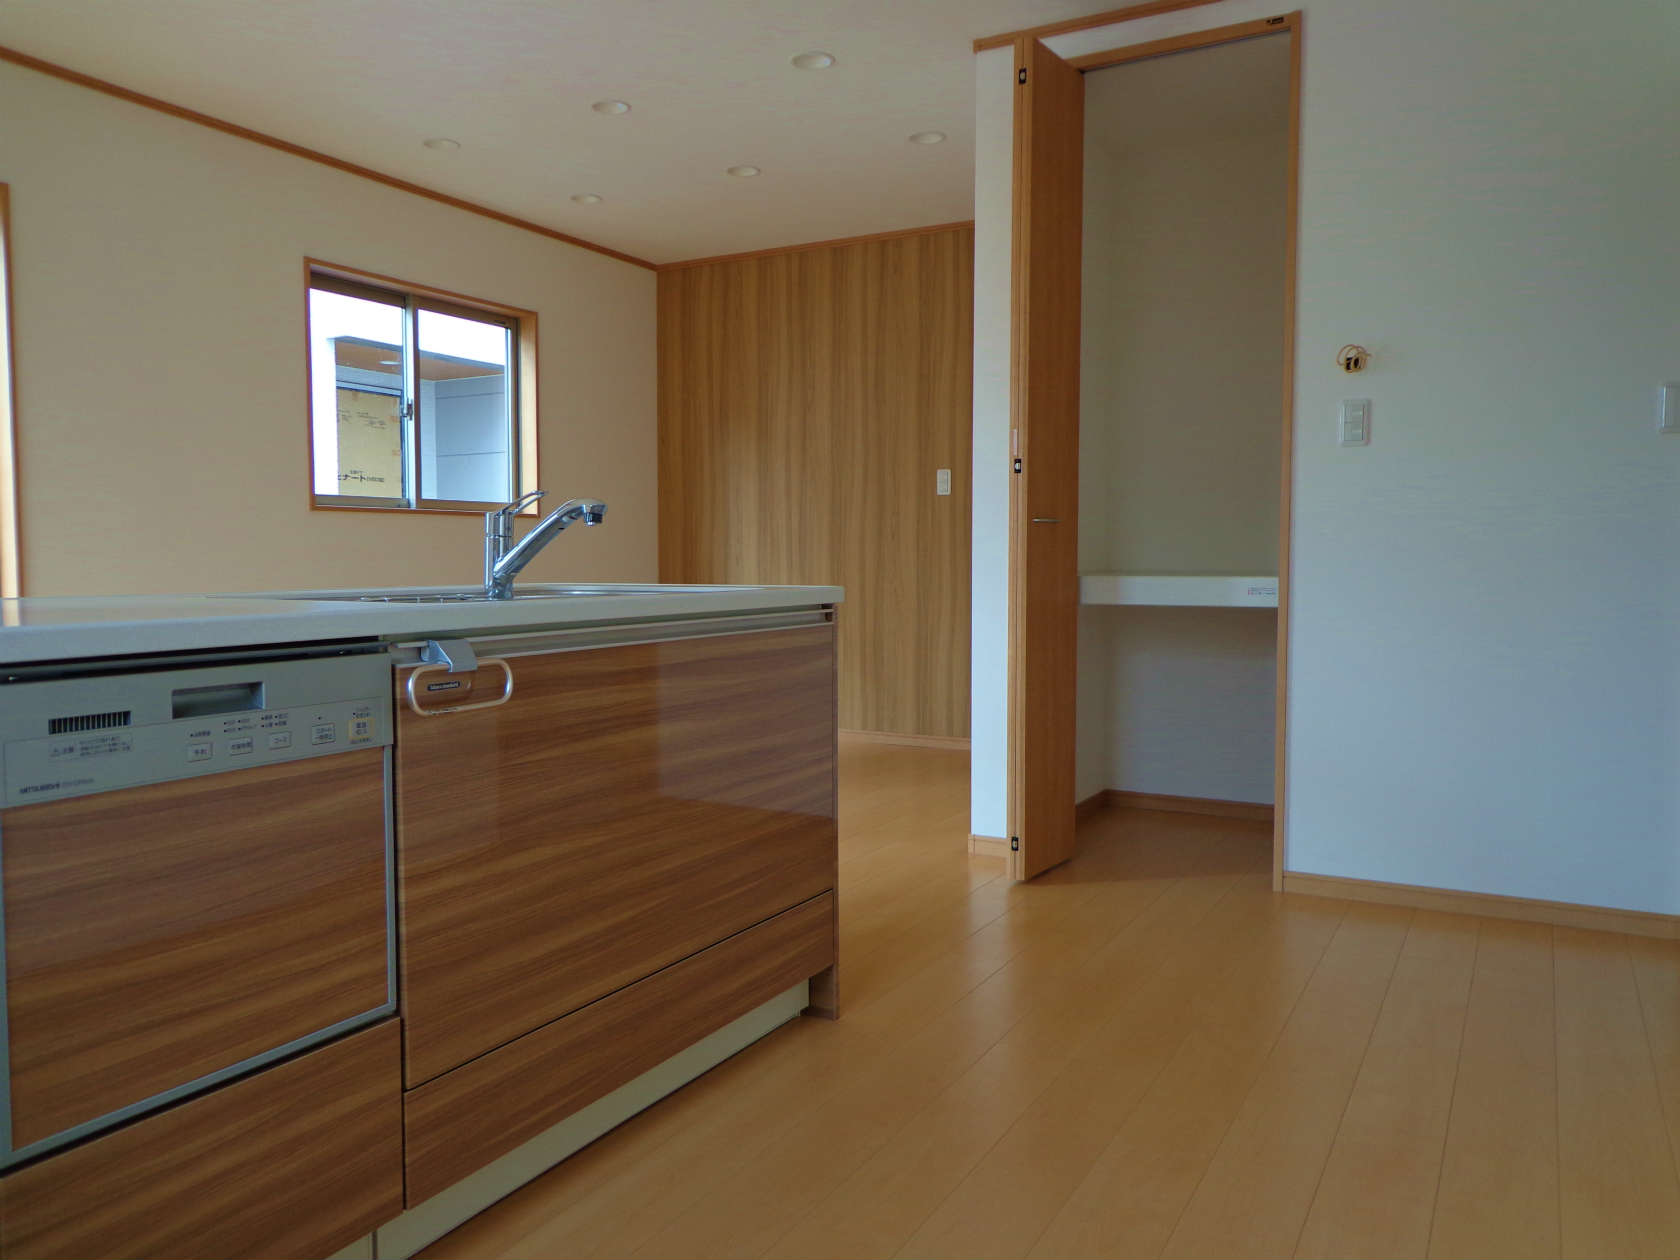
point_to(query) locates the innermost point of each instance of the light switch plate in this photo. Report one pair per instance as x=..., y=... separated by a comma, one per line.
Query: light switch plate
x=1354, y=428
x=942, y=481
x=1668, y=408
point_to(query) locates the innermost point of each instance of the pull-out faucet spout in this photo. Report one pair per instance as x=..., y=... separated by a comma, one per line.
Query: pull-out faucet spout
x=503, y=558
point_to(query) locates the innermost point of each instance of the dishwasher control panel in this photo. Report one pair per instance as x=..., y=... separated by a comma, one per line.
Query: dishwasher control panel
x=72, y=737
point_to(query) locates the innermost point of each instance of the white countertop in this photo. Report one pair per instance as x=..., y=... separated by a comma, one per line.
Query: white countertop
x=74, y=628
x=1194, y=590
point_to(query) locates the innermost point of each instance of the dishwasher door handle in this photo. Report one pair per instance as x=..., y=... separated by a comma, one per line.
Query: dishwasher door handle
x=487, y=662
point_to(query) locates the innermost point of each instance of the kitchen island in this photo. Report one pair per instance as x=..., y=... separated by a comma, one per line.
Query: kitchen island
x=425, y=891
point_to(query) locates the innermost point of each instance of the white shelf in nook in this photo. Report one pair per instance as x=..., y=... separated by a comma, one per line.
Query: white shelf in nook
x=1178, y=589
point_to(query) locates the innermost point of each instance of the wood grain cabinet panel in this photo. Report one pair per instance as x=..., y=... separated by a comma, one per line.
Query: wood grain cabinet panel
x=300, y=1159
x=142, y=952
x=629, y=806
x=468, y=1117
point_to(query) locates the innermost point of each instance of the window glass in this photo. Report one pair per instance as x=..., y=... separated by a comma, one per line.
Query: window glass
x=357, y=396
x=465, y=416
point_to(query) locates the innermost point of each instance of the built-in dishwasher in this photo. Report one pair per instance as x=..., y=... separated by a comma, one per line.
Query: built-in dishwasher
x=197, y=872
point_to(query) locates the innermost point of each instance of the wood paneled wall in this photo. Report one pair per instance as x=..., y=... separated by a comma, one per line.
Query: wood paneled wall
x=806, y=399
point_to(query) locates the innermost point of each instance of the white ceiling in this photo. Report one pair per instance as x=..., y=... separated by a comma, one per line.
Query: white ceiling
x=709, y=81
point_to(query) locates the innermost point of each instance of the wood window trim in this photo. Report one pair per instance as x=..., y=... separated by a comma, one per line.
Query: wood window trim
x=374, y=286
x=11, y=549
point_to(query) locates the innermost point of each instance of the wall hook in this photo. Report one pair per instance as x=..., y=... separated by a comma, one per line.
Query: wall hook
x=1352, y=358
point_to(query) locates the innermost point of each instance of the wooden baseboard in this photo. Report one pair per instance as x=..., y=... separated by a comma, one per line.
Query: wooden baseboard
x=988, y=846
x=1487, y=905
x=1113, y=798
x=908, y=741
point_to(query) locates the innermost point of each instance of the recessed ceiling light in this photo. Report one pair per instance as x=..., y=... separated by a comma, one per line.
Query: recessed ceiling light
x=744, y=172
x=587, y=199
x=611, y=107
x=928, y=137
x=814, y=60
x=441, y=142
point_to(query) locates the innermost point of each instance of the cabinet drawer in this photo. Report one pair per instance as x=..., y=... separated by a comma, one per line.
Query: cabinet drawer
x=156, y=935
x=466, y=1118
x=297, y=1160
x=629, y=806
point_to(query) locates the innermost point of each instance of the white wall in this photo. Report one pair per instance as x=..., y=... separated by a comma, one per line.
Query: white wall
x=989, y=624
x=1485, y=692
x=1178, y=701
x=1181, y=371
x=1094, y=730
x=162, y=404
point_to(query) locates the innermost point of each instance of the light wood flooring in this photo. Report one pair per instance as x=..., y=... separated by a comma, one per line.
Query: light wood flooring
x=1147, y=1052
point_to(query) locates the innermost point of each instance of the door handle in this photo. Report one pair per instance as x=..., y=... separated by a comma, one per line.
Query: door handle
x=439, y=711
x=1046, y=520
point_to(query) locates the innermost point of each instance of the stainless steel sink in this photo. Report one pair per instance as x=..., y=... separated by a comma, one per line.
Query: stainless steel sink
x=556, y=590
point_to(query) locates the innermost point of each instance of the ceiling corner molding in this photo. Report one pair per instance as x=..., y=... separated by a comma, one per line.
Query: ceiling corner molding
x=835, y=243
x=28, y=62
x=1106, y=18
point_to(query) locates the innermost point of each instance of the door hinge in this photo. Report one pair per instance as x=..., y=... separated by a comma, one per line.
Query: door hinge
x=1014, y=844
x=1021, y=75
x=1276, y=21
x=1017, y=465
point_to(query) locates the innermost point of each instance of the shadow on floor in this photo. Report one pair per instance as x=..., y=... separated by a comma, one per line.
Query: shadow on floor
x=1122, y=844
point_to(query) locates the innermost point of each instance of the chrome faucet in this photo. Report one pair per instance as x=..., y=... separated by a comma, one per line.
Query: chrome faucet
x=503, y=559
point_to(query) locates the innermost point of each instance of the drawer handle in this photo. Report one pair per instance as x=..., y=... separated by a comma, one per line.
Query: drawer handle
x=440, y=710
